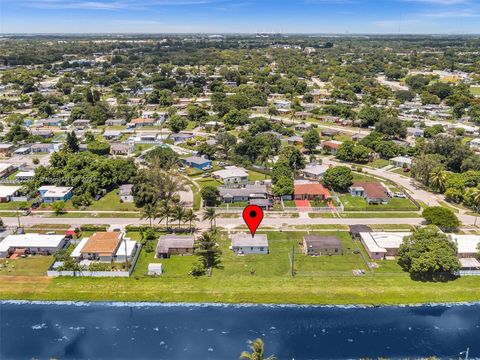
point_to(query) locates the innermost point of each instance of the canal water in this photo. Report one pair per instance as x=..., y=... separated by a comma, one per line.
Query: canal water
x=183, y=331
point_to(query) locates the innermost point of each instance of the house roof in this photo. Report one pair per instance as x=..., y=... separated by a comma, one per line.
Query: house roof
x=469, y=263
x=373, y=190
x=332, y=144
x=243, y=239
x=318, y=241
x=315, y=169
x=167, y=242
x=103, y=243
x=311, y=189
x=231, y=171
x=197, y=160
x=381, y=241
x=30, y=240
x=55, y=191
x=126, y=190
x=141, y=121
x=6, y=191
x=248, y=190
x=467, y=244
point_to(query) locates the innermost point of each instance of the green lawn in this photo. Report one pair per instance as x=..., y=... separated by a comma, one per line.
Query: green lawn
x=475, y=90
x=357, y=203
x=379, y=163
x=256, y=176
x=111, y=201
x=319, y=280
x=33, y=265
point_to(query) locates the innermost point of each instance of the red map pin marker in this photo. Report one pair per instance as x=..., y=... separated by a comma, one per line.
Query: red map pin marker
x=253, y=216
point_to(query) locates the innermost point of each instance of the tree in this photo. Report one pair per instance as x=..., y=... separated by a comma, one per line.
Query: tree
x=210, y=195
x=429, y=254
x=163, y=156
x=206, y=247
x=178, y=214
x=190, y=216
x=369, y=115
x=442, y=217
x=71, y=143
x=150, y=212
x=423, y=166
x=165, y=211
x=311, y=140
x=338, y=178
x=256, y=351
x=99, y=147
x=58, y=207
x=438, y=177
x=392, y=127
x=177, y=123
x=292, y=156
x=211, y=215
x=284, y=186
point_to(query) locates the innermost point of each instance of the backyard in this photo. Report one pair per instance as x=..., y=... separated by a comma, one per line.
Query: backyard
x=357, y=203
x=319, y=280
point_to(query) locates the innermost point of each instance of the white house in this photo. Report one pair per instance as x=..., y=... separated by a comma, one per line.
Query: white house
x=32, y=243
x=314, y=171
x=50, y=193
x=402, y=162
x=7, y=192
x=475, y=144
x=243, y=243
x=382, y=244
x=232, y=175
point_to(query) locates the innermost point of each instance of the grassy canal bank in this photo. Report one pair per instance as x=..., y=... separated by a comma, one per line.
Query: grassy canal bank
x=318, y=280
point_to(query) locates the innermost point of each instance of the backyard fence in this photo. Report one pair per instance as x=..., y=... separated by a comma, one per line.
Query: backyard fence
x=87, y=273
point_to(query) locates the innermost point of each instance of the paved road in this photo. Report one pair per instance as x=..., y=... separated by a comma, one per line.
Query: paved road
x=228, y=223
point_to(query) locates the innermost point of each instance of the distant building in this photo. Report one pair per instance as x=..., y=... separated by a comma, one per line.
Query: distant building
x=232, y=175
x=373, y=192
x=402, y=162
x=6, y=169
x=125, y=193
x=311, y=191
x=198, y=162
x=50, y=193
x=314, y=171
x=7, y=192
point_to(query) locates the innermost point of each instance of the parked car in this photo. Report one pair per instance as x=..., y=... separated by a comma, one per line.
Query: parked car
x=400, y=195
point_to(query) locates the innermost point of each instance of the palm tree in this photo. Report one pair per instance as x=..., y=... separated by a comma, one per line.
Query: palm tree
x=438, y=177
x=190, y=216
x=149, y=212
x=211, y=215
x=256, y=353
x=164, y=211
x=178, y=213
x=475, y=194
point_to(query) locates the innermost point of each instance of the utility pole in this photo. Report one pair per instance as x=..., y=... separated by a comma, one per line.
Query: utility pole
x=293, y=260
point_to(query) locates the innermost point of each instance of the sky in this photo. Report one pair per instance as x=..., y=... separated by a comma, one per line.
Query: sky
x=241, y=16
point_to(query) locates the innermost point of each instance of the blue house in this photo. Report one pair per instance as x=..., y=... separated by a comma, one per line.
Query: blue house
x=51, y=193
x=198, y=162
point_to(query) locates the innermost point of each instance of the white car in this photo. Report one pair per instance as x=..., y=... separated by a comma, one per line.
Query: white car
x=400, y=195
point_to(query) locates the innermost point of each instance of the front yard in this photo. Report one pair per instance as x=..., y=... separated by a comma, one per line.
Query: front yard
x=357, y=203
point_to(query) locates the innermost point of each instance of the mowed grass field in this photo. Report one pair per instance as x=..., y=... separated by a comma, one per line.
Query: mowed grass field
x=318, y=280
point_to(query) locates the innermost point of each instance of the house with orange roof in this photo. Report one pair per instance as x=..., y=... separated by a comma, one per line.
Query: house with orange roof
x=141, y=122
x=311, y=191
x=331, y=146
x=105, y=246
